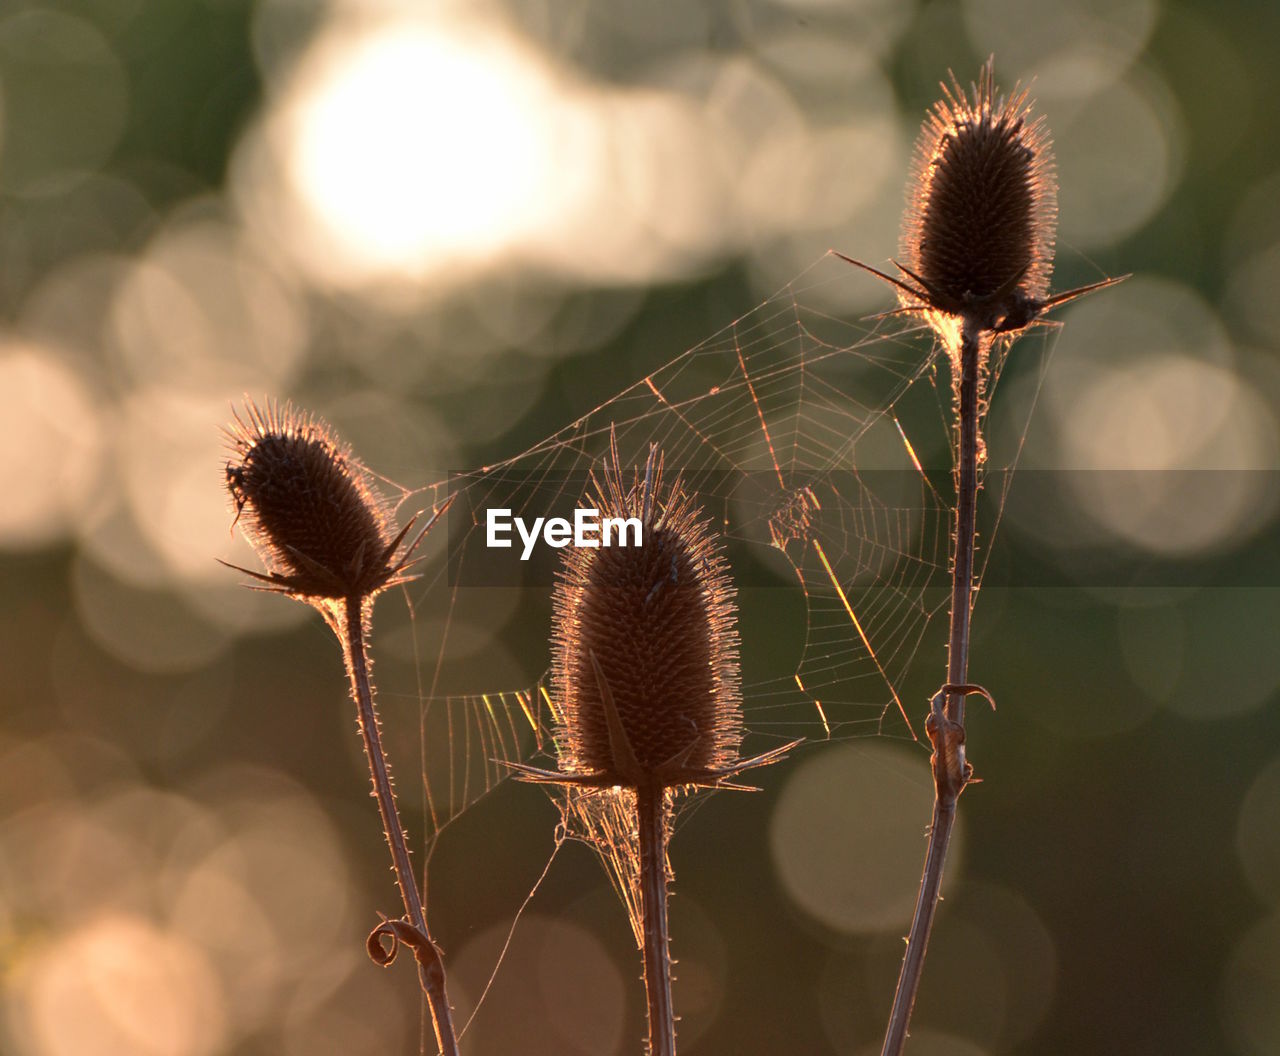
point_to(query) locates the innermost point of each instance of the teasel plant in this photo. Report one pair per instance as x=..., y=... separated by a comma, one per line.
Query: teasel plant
x=647, y=692
x=977, y=246
x=312, y=512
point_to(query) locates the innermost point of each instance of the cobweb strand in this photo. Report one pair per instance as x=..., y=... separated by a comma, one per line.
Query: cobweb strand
x=821, y=448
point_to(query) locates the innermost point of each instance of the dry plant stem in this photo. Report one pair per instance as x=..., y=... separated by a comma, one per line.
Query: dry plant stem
x=652, y=824
x=946, y=724
x=431, y=975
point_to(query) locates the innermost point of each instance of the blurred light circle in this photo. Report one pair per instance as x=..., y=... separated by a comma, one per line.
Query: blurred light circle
x=32, y=771
x=153, y=824
x=845, y=169
x=846, y=61
x=558, y=993
x=969, y=982
x=1020, y=940
x=89, y=761
x=1165, y=445
x=69, y=307
x=1251, y=290
x=172, y=456
x=112, y=537
x=1255, y=221
x=1231, y=666
x=120, y=986
x=164, y=513
x=754, y=122
x=1251, y=990
x=169, y=519
x=49, y=421
x=148, y=629
x=267, y=902
x=1258, y=835
x=402, y=444
x=65, y=101
x=343, y=1009
x=64, y=860
x=811, y=179
x=581, y=988
x=1169, y=414
x=200, y=311
x=231, y=604
x=1119, y=156
x=848, y=177
x=842, y=170
x=847, y=836
x=1032, y=39
x=659, y=147
x=992, y=966
x=100, y=215
x=510, y=311
x=1147, y=316
x=702, y=968
x=643, y=191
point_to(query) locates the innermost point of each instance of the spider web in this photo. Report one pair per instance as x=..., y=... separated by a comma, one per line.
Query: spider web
x=820, y=447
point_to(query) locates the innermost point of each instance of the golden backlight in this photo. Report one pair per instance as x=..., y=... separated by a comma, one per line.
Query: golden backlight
x=415, y=144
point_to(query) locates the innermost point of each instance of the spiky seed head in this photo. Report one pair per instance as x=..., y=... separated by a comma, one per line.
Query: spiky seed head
x=645, y=638
x=308, y=506
x=978, y=233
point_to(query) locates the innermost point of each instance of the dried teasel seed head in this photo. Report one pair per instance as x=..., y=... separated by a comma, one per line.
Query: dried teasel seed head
x=978, y=233
x=645, y=645
x=308, y=506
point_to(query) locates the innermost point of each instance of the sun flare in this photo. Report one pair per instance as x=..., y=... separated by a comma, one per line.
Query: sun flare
x=414, y=143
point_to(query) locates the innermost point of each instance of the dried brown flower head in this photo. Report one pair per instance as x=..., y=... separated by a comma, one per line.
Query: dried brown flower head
x=309, y=507
x=645, y=645
x=979, y=228
x=982, y=211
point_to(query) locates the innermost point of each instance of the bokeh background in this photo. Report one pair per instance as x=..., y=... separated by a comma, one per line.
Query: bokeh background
x=453, y=228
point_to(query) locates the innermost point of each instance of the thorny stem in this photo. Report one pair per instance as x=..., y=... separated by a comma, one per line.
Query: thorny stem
x=652, y=824
x=946, y=722
x=430, y=973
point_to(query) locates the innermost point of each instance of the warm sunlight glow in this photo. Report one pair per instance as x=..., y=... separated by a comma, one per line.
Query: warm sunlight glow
x=410, y=155
x=49, y=417
x=201, y=311
x=560, y=990
x=414, y=143
x=120, y=985
x=833, y=807
x=1173, y=413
